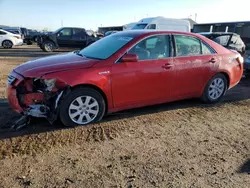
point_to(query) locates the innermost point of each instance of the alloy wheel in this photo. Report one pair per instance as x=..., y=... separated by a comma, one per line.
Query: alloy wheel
x=83, y=110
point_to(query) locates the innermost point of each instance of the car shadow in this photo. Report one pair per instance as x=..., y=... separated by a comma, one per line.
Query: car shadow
x=245, y=168
x=37, y=125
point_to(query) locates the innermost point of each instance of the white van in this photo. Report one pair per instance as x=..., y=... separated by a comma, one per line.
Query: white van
x=161, y=23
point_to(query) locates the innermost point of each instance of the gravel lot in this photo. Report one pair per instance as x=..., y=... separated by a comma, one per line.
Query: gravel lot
x=180, y=144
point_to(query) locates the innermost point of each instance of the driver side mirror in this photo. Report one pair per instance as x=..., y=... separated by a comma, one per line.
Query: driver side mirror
x=129, y=58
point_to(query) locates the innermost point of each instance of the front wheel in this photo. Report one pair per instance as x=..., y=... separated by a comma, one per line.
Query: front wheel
x=48, y=46
x=82, y=107
x=215, y=89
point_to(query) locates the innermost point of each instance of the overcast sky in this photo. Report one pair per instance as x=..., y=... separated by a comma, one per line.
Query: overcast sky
x=91, y=14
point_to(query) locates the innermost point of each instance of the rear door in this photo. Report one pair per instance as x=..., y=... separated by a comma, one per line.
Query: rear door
x=64, y=38
x=195, y=62
x=79, y=37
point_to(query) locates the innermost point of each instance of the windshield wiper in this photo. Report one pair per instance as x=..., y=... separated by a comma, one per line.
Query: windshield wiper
x=93, y=57
x=77, y=53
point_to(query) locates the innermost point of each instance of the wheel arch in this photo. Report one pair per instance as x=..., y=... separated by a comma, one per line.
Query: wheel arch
x=95, y=88
x=227, y=77
x=7, y=40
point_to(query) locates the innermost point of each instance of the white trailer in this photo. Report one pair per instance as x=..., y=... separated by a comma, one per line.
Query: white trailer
x=161, y=23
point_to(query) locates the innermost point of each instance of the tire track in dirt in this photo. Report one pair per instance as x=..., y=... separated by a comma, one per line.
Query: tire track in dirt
x=110, y=130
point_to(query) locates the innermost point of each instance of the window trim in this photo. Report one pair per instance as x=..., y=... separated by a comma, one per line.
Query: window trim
x=170, y=43
x=200, y=41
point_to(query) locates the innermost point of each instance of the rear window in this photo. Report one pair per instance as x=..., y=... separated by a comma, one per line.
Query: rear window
x=2, y=33
x=187, y=46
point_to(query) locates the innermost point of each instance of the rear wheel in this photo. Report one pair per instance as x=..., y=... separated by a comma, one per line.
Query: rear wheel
x=215, y=89
x=48, y=46
x=7, y=44
x=82, y=107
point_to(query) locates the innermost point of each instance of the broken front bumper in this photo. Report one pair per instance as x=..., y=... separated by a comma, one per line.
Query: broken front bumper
x=14, y=80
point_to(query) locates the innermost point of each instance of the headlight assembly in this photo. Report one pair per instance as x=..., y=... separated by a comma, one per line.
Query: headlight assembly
x=50, y=83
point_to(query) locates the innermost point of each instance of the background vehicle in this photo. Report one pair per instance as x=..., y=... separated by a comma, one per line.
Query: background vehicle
x=228, y=40
x=22, y=31
x=139, y=68
x=161, y=23
x=65, y=37
x=247, y=66
x=8, y=40
x=109, y=33
x=242, y=28
x=33, y=34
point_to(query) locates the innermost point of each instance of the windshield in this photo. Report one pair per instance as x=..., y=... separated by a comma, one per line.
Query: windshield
x=56, y=31
x=105, y=47
x=139, y=26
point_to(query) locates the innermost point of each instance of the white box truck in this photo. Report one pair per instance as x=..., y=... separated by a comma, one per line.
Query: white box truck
x=161, y=23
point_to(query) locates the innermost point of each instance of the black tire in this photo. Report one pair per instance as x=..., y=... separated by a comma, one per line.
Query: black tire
x=206, y=96
x=7, y=44
x=78, y=92
x=48, y=46
x=29, y=42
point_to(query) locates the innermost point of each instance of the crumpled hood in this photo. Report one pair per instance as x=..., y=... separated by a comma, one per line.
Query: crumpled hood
x=54, y=63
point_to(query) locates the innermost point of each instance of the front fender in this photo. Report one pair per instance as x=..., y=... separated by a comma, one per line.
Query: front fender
x=96, y=77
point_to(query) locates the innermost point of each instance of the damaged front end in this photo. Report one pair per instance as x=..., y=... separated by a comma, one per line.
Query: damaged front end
x=37, y=97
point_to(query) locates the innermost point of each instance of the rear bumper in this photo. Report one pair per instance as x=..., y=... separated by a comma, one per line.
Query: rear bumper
x=18, y=42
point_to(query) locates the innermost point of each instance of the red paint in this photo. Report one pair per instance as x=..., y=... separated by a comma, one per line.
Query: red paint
x=135, y=84
x=33, y=98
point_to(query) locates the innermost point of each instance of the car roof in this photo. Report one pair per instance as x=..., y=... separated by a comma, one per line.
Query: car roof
x=145, y=32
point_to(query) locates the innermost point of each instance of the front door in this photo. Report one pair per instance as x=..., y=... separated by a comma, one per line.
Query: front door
x=64, y=38
x=150, y=80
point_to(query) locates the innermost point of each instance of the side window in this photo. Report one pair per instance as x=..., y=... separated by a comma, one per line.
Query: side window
x=78, y=32
x=152, y=26
x=206, y=49
x=2, y=33
x=155, y=47
x=187, y=46
x=65, y=32
x=222, y=40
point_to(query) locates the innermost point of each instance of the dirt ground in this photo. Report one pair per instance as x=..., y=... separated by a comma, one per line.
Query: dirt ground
x=180, y=144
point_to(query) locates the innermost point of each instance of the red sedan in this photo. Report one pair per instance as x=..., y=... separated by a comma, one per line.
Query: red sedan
x=125, y=70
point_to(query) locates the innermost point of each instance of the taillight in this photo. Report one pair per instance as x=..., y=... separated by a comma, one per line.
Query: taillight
x=17, y=37
x=240, y=59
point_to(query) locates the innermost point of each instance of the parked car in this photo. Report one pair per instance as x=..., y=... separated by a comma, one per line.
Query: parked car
x=247, y=66
x=228, y=40
x=8, y=40
x=125, y=70
x=109, y=33
x=65, y=37
x=21, y=31
x=33, y=34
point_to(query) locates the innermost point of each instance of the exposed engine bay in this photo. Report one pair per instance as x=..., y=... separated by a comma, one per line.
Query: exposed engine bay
x=39, y=98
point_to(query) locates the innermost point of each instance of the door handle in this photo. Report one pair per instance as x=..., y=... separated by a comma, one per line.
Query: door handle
x=212, y=60
x=167, y=66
